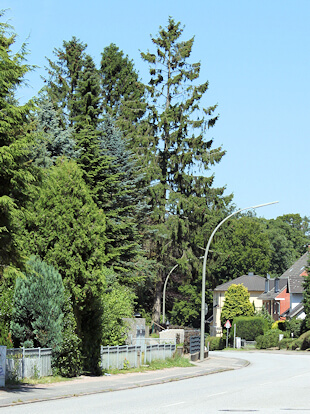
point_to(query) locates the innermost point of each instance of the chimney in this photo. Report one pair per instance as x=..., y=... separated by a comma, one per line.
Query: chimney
x=250, y=274
x=276, y=285
x=267, y=288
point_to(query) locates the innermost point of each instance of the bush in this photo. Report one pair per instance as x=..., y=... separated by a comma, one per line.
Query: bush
x=67, y=362
x=295, y=326
x=249, y=327
x=305, y=340
x=215, y=343
x=270, y=339
x=282, y=325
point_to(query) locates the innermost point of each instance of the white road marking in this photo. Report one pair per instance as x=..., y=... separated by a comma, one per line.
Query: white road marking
x=171, y=405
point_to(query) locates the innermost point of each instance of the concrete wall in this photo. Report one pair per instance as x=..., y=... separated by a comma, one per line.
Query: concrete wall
x=172, y=334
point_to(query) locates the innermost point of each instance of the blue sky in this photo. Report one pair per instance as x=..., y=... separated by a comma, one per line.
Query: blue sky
x=255, y=55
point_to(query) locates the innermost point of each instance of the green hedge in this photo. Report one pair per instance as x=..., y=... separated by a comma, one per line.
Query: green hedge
x=215, y=343
x=270, y=339
x=249, y=327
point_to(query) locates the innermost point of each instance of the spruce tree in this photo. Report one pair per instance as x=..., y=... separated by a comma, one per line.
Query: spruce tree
x=123, y=93
x=63, y=77
x=16, y=173
x=125, y=202
x=51, y=140
x=37, y=313
x=182, y=195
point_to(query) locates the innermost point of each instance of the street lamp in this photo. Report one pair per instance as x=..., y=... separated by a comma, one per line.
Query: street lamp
x=164, y=291
x=203, y=290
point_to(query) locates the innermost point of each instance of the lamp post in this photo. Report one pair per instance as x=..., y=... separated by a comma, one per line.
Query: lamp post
x=203, y=290
x=164, y=291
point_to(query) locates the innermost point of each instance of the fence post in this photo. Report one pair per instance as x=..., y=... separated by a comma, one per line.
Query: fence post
x=40, y=363
x=23, y=363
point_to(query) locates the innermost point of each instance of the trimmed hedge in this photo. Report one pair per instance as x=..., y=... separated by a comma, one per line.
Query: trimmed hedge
x=215, y=343
x=249, y=327
x=270, y=339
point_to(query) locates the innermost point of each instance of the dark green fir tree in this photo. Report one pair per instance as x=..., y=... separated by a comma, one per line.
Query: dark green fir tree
x=16, y=172
x=184, y=202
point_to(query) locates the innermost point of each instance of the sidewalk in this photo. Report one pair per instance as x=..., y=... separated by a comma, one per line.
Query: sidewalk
x=90, y=385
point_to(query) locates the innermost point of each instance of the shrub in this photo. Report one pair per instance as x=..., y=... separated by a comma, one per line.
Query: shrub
x=295, y=326
x=67, y=362
x=282, y=325
x=270, y=339
x=215, y=343
x=249, y=327
x=286, y=343
x=305, y=340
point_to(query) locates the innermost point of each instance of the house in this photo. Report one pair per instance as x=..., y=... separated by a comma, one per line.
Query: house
x=276, y=298
x=255, y=285
x=284, y=300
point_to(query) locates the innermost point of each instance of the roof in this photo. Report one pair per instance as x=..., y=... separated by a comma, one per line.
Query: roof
x=254, y=283
x=295, y=311
x=272, y=294
x=295, y=284
x=297, y=268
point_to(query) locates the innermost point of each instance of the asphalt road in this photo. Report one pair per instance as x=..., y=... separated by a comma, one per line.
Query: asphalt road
x=272, y=383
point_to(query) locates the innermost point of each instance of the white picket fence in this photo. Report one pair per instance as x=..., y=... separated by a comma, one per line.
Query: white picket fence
x=132, y=356
x=28, y=362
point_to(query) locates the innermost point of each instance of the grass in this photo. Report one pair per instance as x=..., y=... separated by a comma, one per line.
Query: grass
x=157, y=364
x=45, y=380
x=34, y=381
x=177, y=361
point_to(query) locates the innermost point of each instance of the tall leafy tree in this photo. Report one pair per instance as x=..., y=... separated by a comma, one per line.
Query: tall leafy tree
x=16, y=173
x=37, y=313
x=237, y=303
x=181, y=192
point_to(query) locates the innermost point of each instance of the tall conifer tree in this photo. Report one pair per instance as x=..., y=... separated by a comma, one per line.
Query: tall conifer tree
x=182, y=195
x=16, y=172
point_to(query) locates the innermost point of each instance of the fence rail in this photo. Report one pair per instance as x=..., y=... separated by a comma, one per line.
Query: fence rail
x=28, y=362
x=132, y=356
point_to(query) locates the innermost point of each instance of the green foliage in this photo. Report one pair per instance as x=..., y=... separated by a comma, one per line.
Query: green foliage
x=295, y=326
x=288, y=235
x=237, y=303
x=67, y=361
x=51, y=139
x=117, y=303
x=244, y=247
x=306, y=300
x=186, y=310
x=266, y=315
x=270, y=339
x=282, y=325
x=181, y=200
x=122, y=91
x=37, y=313
x=249, y=327
x=305, y=341
x=124, y=203
x=16, y=173
x=68, y=230
x=215, y=343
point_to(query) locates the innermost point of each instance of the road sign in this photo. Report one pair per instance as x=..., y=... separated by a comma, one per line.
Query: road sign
x=227, y=324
